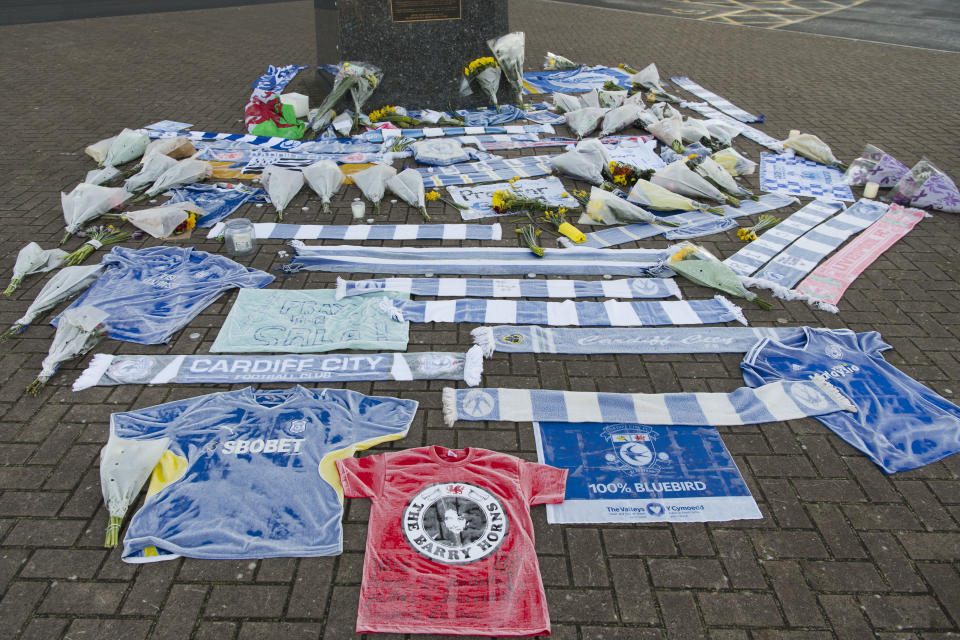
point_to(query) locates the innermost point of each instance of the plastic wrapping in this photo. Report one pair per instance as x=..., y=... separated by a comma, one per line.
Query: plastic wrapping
x=127, y=146
x=33, y=259
x=125, y=465
x=875, y=165
x=677, y=177
x=565, y=103
x=693, y=130
x=281, y=185
x=185, y=172
x=927, y=187
x=325, y=178
x=373, y=182
x=590, y=99
x=611, y=99
x=648, y=77
x=64, y=284
x=585, y=121
x=555, y=62
x=700, y=266
x=98, y=150
x=662, y=111
x=78, y=331
x=487, y=77
x=579, y=166
x=99, y=176
x=160, y=222
x=154, y=166
x=88, y=201
x=620, y=118
x=709, y=168
x=722, y=131
x=177, y=148
x=669, y=132
x=653, y=196
x=408, y=185
x=735, y=164
x=509, y=52
x=606, y=208
x=813, y=148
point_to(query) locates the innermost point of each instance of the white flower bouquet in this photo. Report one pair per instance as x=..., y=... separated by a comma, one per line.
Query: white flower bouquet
x=64, y=284
x=325, y=178
x=509, y=52
x=281, y=185
x=86, y=202
x=408, y=185
x=373, y=182
x=33, y=259
x=77, y=332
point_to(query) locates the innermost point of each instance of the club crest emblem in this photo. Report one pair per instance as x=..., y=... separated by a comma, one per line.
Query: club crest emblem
x=633, y=449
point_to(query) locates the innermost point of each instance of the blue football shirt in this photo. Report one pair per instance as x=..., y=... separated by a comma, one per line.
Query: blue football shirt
x=251, y=474
x=900, y=424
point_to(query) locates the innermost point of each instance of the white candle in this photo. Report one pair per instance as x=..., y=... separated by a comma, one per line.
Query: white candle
x=358, y=208
x=870, y=190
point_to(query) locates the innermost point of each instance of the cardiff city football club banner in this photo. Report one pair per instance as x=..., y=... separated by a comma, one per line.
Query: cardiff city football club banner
x=640, y=473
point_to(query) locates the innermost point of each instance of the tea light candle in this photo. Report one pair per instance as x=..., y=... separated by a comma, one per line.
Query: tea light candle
x=870, y=190
x=358, y=208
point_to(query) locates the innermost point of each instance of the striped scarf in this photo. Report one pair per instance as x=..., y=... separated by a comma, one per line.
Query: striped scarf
x=774, y=402
x=611, y=313
x=499, y=288
x=748, y=132
x=718, y=102
x=265, y=230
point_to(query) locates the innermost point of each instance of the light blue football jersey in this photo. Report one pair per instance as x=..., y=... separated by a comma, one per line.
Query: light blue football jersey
x=250, y=473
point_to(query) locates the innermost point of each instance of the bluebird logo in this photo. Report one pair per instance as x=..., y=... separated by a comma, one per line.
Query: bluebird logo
x=655, y=509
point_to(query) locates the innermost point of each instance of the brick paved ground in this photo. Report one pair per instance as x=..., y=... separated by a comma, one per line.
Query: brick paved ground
x=842, y=551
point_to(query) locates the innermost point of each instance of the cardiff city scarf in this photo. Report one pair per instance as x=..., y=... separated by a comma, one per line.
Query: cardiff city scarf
x=716, y=101
x=798, y=176
x=106, y=370
x=579, y=80
x=479, y=198
x=217, y=200
x=790, y=266
x=276, y=78
x=274, y=142
x=772, y=402
x=498, y=288
x=486, y=171
x=694, y=224
x=758, y=252
x=487, y=261
x=829, y=281
x=382, y=135
x=371, y=231
x=308, y=321
x=517, y=339
x=748, y=132
x=611, y=313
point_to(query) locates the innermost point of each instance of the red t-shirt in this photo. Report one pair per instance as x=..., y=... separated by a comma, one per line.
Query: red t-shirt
x=450, y=546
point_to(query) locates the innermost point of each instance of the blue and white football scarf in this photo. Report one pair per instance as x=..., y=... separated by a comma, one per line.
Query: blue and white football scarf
x=517, y=339
x=758, y=252
x=276, y=78
x=718, y=102
x=269, y=230
x=748, y=132
x=499, y=288
x=381, y=135
x=108, y=370
x=612, y=313
x=486, y=171
x=579, y=80
x=486, y=261
x=694, y=224
x=217, y=200
x=796, y=176
x=772, y=402
x=270, y=142
x=790, y=266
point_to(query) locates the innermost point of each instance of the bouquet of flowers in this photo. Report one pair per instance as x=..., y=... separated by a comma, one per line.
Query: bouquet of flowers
x=86, y=202
x=125, y=464
x=653, y=196
x=434, y=196
x=32, y=259
x=394, y=115
x=662, y=111
x=184, y=172
x=625, y=175
x=584, y=121
x=766, y=221
x=669, y=131
x=486, y=73
x=64, y=284
x=128, y=145
x=722, y=131
x=648, y=79
x=679, y=178
x=813, y=148
x=927, y=187
x=718, y=177
x=360, y=79
x=325, y=178
x=98, y=150
x=700, y=266
x=612, y=96
x=154, y=166
x=512, y=201
x=735, y=164
x=373, y=182
x=100, y=176
x=585, y=162
x=163, y=222
x=281, y=185
x=408, y=185
x=620, y=118
x=509, y=52
x=530, y=236
x=96, y=238
x=565, y=103
x=558, y=219
x=606, y=208
x=77, y=332
x=177, y=148
x=875, y=165
x=554, y=62
x=694, y=130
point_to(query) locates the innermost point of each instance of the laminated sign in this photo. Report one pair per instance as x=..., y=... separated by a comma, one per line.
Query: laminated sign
x=640, y=473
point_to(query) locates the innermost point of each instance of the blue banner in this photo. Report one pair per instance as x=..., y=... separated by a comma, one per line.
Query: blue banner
x=639, y=473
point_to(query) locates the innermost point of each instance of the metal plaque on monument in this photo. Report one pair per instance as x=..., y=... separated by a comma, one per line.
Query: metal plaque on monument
x=421, y=45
